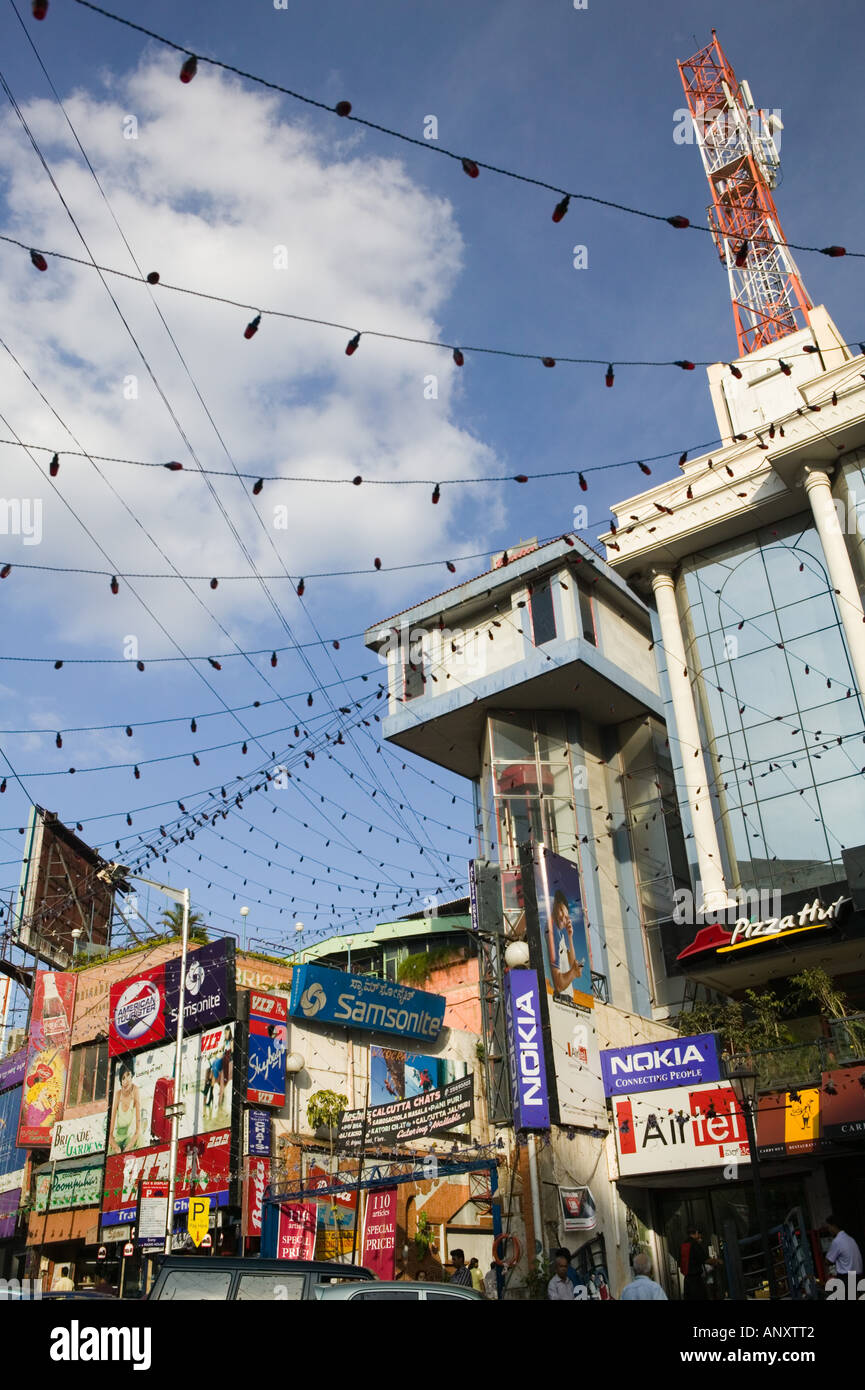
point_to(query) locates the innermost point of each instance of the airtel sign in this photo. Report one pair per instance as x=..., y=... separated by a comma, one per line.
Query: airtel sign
x=687, y=1127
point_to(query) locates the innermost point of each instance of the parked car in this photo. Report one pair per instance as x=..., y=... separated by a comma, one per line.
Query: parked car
x=76, y=1294
x=183, y=1278
x=400, y=1290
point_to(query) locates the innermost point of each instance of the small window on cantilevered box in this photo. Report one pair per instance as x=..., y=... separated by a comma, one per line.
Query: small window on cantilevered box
x=587, y=617
x=413, y=683
x=543, y=614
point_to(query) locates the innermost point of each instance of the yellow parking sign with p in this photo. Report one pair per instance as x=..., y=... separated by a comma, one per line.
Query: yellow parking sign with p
x=198, y=1218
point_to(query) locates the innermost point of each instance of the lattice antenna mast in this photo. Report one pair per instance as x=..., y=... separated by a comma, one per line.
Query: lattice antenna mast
x=740, y=156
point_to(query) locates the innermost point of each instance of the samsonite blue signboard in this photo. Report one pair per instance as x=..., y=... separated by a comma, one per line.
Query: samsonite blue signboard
x=660, y=1066
x=357, y=1001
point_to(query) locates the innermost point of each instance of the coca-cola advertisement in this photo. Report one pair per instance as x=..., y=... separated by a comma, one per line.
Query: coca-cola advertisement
x=47, y=1057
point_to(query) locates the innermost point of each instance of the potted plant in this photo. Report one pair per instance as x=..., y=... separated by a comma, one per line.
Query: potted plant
x=324, y=1110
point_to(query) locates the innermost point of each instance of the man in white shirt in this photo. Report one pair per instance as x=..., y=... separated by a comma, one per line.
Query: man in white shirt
x=560, y=1286
x=843, y=1253
x=642, y=1288
x=62, y=1283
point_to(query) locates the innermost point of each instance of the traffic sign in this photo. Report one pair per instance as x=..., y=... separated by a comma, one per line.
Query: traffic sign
x=198, y=1218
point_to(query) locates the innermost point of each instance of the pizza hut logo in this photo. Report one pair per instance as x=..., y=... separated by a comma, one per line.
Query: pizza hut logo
x=137, y=1010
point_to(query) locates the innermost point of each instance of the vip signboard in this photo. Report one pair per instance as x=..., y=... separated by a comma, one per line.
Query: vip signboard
x=268, y=1047
x=660, y=1066
x=203, y=1168
x=687, y=1127
x=355, y=1001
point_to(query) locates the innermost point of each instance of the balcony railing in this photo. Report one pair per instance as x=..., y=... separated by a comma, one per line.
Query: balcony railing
x=801, y=1064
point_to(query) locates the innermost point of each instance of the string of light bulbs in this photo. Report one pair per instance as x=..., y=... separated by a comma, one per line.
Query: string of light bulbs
x=471, y=167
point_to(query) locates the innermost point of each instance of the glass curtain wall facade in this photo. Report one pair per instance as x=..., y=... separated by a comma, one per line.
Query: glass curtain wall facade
x=781, y=718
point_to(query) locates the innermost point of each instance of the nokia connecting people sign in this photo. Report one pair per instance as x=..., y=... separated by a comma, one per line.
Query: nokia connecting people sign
x=660, y=1066
x=526, y=1050
x=357, y=1001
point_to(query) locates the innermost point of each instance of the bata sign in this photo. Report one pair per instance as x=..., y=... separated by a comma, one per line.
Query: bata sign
x=687, y=1127
x=661, y=1066
x=722, y=940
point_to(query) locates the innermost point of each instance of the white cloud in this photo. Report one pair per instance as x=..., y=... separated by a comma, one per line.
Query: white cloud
x=215, y=181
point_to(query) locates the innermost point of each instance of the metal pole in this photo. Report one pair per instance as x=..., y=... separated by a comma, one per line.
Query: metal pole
x=360, y=1166
x=536, y=1196
x=176, y=1108
x=759, y=1200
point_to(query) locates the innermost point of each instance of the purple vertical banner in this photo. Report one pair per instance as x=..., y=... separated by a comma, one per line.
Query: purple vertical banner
x=526, y=1050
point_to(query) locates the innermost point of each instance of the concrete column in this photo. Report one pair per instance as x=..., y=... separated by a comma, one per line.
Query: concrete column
x=715, y=896
x=818, y=486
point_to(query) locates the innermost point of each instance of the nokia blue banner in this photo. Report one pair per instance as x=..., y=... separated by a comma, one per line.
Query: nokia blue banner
x=526, y=1050
x=357, y=1001
x=660, y=1066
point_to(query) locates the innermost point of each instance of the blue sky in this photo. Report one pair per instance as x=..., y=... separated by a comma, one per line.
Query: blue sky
x=382, y=235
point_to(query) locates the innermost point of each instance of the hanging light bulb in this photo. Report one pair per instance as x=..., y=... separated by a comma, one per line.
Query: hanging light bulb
x=309, y=699
x=189, y=69
x=470, y=168
x=173, y=466
x=59, y=741
x=735, y=370
x=584, y=487
x=39, y=8
x=785, y=367
x=128, y=731
x=252, y=327
x=611, y=376
x=451, y=567
x=685, y=365
x=214, y=583
x=300, y=589
x=214, y=663
x=273, y=659
x=521, y=478
x=139, y=665
x=644, y=468
x=54, y=466
x=115, y=585
x=196, y=760
x=5, y=572
x=742, y=254
x=256, y=487
x=458, y=357
x=343, y=108
x=548, y=361
x=834, y=397
x=356, y=481
x=437, y=492
x=833, y=251
x=561, y=208
x=678, y=221
x=153, y=277
x=136, y=773
x=38, y=260
x=193, y=728
x=377, y=563
x=352, y=345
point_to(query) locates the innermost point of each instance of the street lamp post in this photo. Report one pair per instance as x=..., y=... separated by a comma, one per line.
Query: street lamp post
x=744, y=1083
x=298, y=927
x=244, y=912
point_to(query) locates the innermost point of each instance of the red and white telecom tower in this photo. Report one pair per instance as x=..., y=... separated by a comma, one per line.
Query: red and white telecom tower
x=741, y=160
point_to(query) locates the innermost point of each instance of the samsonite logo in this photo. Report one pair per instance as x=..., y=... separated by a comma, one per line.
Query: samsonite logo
x=137, y=1010
x=313, y=1000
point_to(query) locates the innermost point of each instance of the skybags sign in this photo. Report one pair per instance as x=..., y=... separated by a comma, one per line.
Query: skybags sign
x=660, y=1066
x=356, y=1001
x=526, y=1050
